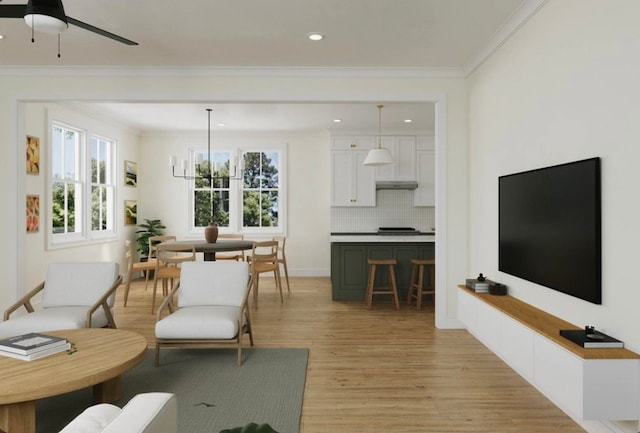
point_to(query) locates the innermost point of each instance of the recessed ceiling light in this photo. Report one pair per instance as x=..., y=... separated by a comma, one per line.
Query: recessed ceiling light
x=1, y=36
x=315, y=36
x=337, y=120
x=408, y=120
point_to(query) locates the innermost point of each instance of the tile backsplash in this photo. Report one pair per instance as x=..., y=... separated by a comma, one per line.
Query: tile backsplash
x=393, y=209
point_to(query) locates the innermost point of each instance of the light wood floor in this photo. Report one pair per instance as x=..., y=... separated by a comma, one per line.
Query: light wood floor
x=383, y=370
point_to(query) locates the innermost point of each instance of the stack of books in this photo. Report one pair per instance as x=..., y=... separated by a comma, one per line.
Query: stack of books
x=478, y=286
x=32, y=346
x=591, y=339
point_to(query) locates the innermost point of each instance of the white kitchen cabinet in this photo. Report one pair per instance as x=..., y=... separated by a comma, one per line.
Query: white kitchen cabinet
x=352, y=184
x=403, y=151
x=352, y=142
x=425, y=158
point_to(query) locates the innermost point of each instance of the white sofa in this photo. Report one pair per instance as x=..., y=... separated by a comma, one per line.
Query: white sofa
x=153, y=412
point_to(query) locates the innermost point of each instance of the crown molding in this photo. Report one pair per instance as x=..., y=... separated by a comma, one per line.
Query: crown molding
x=319, y=72
x=525, y=12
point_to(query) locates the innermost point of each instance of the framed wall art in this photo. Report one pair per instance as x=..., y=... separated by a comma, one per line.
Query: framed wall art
x=33, y=213
x=33, y=155
x=130, y=212
x=130, y=173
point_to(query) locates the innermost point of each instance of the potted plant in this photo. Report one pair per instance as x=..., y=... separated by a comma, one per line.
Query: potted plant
x=147, y=229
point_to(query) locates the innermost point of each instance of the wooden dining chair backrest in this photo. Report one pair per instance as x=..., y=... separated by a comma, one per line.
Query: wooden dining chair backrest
x=169, y=257
x=237, y=256
x=264, y=258
x=282, y=258
x=134, y=266
x=155, y=240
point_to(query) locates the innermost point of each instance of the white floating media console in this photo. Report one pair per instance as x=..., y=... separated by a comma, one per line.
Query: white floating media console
x=587, y=384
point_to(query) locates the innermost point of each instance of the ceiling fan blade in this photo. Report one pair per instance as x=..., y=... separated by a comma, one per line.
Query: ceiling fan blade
x=12, y=11
x=101, y=32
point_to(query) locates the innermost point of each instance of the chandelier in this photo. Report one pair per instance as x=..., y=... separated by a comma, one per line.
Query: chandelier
x=211, y=171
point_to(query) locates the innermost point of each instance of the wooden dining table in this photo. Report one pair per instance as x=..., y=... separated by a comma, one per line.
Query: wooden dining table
x=211, y=248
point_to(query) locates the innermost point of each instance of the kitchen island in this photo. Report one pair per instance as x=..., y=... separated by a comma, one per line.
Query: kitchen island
x=349, y=253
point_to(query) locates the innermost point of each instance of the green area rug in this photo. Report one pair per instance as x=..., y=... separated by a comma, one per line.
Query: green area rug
x=213, y=392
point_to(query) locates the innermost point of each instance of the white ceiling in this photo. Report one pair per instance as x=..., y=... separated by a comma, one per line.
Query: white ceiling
x=425, y=35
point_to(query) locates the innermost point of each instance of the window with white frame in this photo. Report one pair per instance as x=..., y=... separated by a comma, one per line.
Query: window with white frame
x=82, y=186
x=102, y=185
x=261, y=190
x=252, y=203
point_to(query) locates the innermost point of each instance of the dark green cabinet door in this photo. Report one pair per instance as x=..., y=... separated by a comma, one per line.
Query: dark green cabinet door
x=349, y=266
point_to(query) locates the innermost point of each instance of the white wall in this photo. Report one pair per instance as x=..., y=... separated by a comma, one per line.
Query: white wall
x=564, y=88
x=142, y=85
x=307, y=190
x=37, y=256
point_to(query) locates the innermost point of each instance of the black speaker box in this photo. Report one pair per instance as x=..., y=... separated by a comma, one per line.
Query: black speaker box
x=497, y=289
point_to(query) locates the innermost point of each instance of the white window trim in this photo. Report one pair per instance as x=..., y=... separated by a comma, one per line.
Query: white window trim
x=86, y=235
x=108, y=234
x=235, y=202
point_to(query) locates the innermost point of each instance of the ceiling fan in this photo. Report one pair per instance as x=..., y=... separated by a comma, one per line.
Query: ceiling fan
x=48, y=16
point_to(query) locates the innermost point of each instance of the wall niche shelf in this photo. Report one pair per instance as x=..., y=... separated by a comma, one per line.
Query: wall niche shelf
x=587, y=384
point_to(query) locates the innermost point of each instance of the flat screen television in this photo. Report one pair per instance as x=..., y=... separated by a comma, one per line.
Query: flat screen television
x=550, y=228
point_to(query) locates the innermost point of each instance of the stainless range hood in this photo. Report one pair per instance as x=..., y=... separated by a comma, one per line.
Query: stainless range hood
x=397, y=184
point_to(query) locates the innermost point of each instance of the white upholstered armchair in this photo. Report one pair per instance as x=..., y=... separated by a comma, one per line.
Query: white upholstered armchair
x=74, y=295
x=211, y=307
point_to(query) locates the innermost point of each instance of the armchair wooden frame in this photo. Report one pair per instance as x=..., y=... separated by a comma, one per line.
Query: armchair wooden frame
x=244, y=327
x=25, y=302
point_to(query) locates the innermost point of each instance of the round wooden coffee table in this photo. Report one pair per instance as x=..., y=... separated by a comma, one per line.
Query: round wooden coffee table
x=101, y=356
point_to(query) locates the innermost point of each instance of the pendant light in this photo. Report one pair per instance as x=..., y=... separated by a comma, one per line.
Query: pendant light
x=379, y=155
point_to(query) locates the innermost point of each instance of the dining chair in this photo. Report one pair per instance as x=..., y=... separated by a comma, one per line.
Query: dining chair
x=282, y=258
x=238, y=255
x=263, y=259
x=169, y=258
x=155, y=240
x=134, y=266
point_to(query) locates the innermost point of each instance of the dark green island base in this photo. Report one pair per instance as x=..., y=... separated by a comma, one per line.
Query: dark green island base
x=349, y=266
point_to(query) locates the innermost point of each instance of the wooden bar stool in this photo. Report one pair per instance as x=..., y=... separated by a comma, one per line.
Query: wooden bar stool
x=391, y=290
x=417, y=281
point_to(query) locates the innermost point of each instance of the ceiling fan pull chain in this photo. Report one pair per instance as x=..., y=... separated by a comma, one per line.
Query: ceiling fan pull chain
x=33, y=38
x=58, y=45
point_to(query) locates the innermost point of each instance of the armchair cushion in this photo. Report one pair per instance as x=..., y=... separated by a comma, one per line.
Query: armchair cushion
x=203, y=322
x=78, y=283
x=197, y=287
x=50, y=319
x=93, y=419
x=153, y=412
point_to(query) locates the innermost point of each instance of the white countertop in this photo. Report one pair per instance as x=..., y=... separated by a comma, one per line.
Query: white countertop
x=382, y=238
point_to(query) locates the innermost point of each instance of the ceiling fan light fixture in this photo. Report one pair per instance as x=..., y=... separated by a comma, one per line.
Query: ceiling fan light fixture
x=46, y=16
